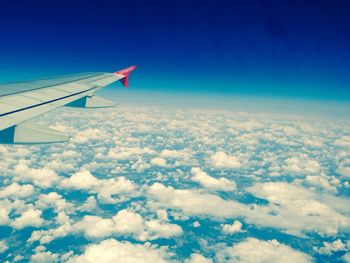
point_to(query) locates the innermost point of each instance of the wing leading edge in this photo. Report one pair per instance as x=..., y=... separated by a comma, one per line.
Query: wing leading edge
x=22, y=101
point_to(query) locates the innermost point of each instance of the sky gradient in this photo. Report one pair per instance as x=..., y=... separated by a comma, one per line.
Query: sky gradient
x=297, y=49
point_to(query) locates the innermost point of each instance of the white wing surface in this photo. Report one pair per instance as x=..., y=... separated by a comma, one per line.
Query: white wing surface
x=22, y=101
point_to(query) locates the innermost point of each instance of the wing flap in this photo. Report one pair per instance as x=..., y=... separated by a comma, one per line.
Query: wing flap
x=29, y=133
x=91, y=102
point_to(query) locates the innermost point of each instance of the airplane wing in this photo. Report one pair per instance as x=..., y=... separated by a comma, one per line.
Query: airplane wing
x=22, y=101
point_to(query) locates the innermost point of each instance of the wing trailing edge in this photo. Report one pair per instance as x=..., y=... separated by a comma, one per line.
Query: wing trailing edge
x=30, y=133
x=93, y=102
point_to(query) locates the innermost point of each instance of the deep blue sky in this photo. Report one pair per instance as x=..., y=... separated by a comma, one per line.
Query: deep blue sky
x=254, y=47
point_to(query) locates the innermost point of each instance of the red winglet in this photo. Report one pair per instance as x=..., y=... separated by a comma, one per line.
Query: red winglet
x=125, y=72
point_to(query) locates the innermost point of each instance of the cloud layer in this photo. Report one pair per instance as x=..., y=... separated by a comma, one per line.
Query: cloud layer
x=148, y=183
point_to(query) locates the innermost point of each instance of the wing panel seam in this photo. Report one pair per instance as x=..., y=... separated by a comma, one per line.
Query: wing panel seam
x=57, y=84
x=46, y=102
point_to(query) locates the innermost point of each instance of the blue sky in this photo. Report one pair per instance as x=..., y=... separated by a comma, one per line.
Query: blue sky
x=296, y=49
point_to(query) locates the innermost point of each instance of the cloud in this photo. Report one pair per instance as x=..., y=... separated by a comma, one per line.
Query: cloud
x=5, y=209
x=54, y=200
x=108, y=188
x=127, y=223
x=174, y=154
x=344, y=171
x=323, y=181
x=193, y=202
x=82, y=180
x=159, y=162
x=301, y=165
x=124, y=223
x=157, y=229
x=296, y=210
x=67, y=155
x=107, y=167
x=111, y=250
x=46, y=236
x=3, y=246
x=42, y=256
x=30, y=217
x=18, y=258
x=222, y=160
x=346, y=257
x=95, y=227
x=205, y=180
x=343, y=141
x=85, y=136
x=254, y=251
x=236, y=227
x=127, y=153
x=332, y=247
x=105, y=188
x=90, y=205
x=17, y=191
x=42, y=177
x=198, y=258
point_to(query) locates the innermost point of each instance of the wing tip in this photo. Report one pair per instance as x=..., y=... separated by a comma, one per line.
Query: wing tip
x=125, y=72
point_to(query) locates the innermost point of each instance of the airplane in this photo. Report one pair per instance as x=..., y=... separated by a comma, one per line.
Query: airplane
x=21, y=101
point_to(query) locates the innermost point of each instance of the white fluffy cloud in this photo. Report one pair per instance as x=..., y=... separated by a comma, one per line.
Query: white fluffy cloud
x=159, y=162
x=4, y=215
x=205, y=180
x=198, y=258
x=127, y=153
x=106, y=189
x=46, y=236
x=95, y=227
x=301, y=165
x=174, y=154
x=55, y=201
x=335, y=246
x=254, y=251
x=43, y=256
x=291, y=208
x=111, y=250
x=82, y=180
x=89, y=134
x=30, y=217
x=157, y=229
x=222, y=160
x=296, y=210
x=90, y=204
x=17, y=191
x=324, y=182
x=233, y=228
x=193, y=202
x=42, y=177
x=127, y=223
